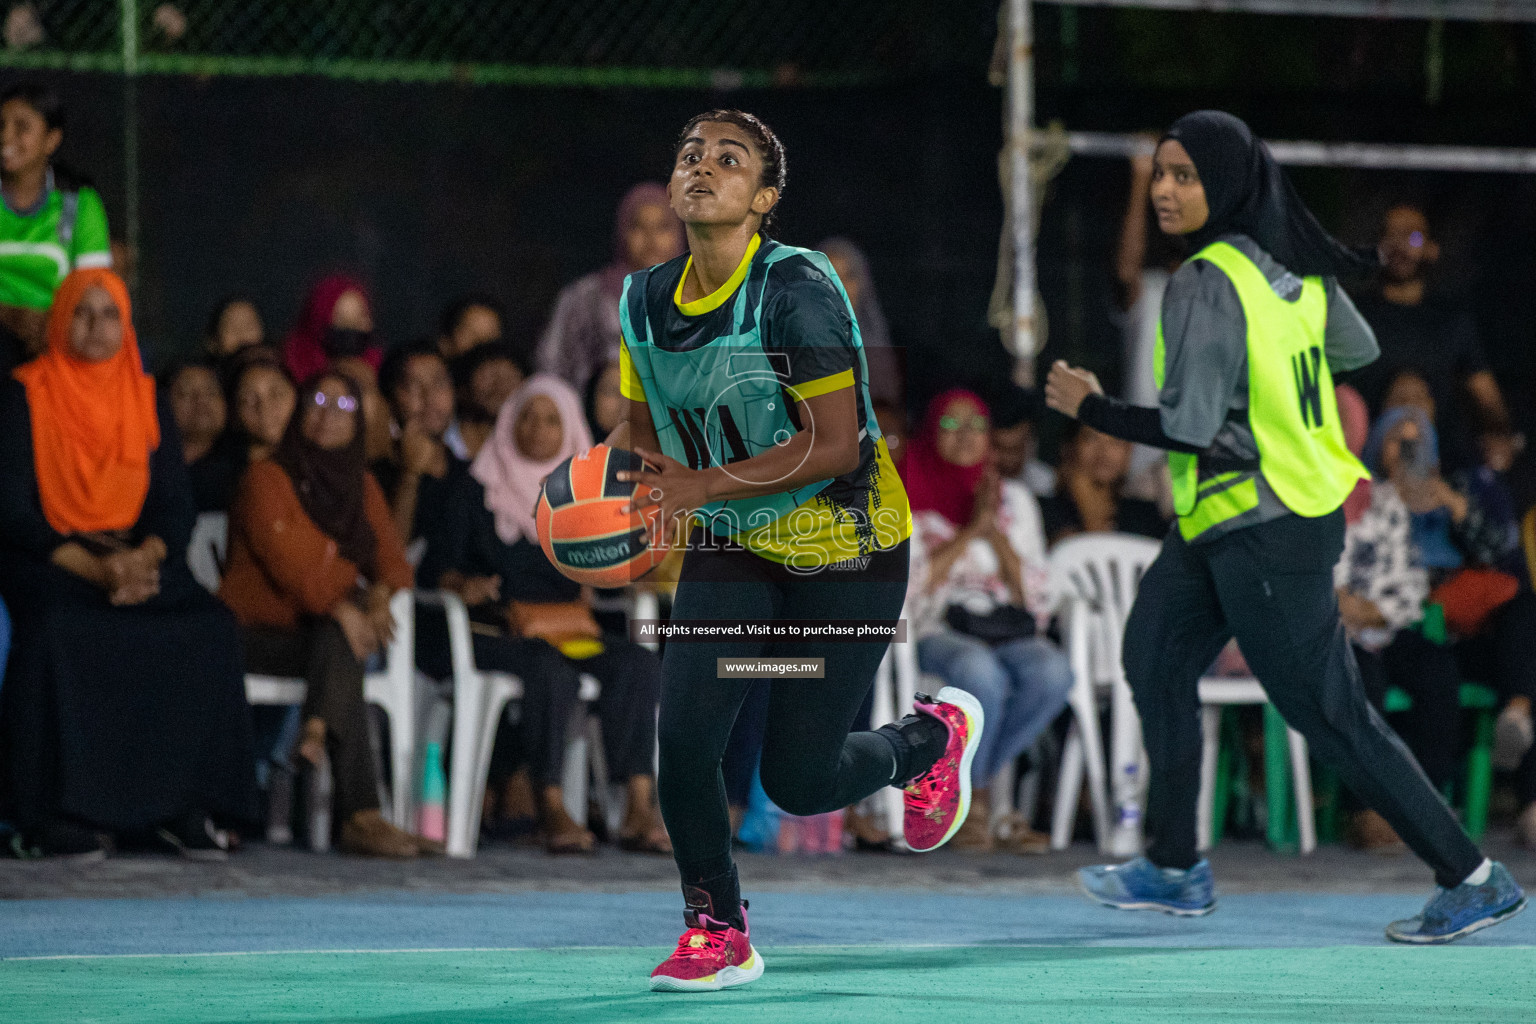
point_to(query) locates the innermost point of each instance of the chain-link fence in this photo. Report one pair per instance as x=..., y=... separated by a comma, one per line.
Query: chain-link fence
x=647, y=43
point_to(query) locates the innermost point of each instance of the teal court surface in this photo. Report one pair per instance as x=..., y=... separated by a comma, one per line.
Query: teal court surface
x=525, y=939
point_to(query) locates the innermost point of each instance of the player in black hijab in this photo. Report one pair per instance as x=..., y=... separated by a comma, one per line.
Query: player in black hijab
x=1252, y=328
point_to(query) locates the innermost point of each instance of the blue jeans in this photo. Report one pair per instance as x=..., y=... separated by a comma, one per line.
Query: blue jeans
x=1022, y=686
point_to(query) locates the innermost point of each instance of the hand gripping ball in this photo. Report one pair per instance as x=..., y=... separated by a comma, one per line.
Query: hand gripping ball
x=582, y=527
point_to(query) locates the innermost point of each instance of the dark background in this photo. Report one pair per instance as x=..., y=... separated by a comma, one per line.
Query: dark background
x=262, y=185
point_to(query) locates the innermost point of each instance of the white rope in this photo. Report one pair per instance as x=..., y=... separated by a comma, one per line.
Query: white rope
x=1446, y=10
x=1371, y=155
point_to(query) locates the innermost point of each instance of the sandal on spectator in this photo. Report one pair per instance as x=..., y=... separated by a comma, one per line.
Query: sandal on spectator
x=194, y=837
x=975, y=833
x=652, y=838
x=563, y=835
x=868, y=836
x=643, y=830
x=1369, y=832
x=367, y=834
x=1014, y=834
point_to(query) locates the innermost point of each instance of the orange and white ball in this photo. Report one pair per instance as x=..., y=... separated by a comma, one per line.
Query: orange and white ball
x=582, y=526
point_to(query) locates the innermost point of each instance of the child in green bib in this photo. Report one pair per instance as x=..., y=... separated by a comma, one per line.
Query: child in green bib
x=48, y=227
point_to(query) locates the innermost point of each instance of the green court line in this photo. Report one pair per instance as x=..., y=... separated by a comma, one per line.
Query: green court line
x=851, y=985
x=435, y=71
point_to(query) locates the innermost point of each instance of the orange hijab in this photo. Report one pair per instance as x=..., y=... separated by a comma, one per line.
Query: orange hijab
x=93, y=424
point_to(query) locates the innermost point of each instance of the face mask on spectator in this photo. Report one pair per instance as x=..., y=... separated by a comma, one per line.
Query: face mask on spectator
x=341, y=342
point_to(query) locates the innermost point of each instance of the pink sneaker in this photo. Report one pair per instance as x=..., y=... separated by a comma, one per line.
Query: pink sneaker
x=710, y=955
x=939, y=799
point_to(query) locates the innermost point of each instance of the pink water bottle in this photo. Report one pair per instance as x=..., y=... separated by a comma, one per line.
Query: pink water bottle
x=790, y=833
x=434, y=788
x=832, y=832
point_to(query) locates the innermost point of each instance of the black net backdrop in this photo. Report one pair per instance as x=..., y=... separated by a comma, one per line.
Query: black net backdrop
x=429, y=188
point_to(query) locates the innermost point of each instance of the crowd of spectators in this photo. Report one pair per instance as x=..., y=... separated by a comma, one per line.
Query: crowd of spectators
x=349, y=471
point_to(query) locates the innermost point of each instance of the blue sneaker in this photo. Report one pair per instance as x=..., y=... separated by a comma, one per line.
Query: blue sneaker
x=1141, y=885
x=1452, y=913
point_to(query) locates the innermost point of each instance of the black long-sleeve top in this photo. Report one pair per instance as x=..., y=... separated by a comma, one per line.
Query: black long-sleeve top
x=28, y=540
x=461, y=536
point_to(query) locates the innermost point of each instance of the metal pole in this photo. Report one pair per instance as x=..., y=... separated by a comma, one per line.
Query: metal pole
x=1456, y=10
x=130, y=34
x=1021, y=111
x=1380, y=156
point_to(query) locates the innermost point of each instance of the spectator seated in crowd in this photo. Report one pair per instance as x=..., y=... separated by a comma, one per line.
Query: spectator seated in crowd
x=336, y=323
x=261, y=397
x=1088, y=496
x=124, y=707
x=308, y=524
x=487, y=375
x=1015, y=443
x=604, y=402
x=256, y=402
x=1382, y=586
x=1436, y=339
x=978, y=605
x=468, y=323
x=539, y=428
x=435, y=500
x=209, y=447
x=582, y=329
x=1465, y=531
x=234, y=326
x=50, y=220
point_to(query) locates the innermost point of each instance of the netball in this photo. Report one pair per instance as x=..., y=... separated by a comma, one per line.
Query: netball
x=586, y=525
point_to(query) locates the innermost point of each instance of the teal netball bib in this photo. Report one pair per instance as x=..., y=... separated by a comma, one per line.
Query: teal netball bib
x=727, y=399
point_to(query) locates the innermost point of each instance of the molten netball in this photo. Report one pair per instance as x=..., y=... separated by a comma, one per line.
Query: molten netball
x=583, y=526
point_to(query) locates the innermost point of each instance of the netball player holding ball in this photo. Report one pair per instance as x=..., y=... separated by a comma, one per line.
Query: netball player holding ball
x=748, y=400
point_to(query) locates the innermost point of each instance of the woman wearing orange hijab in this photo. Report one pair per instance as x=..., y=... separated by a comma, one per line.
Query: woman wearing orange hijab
x=123, y=710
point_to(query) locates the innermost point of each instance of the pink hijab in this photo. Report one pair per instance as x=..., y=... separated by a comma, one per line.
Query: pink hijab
x=646, y=193
x=1355, y=417
x=512, y=480
x=932, y=482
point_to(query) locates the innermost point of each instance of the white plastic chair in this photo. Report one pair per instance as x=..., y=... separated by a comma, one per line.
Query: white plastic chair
x=1094, y=580
x=205, y=552
x=479, y=699
x=584, y=757
x=1216, y=693
x=393, y=689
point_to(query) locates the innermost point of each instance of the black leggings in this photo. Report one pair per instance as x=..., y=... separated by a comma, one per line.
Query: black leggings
x=810, y=762
x=1271, y=587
